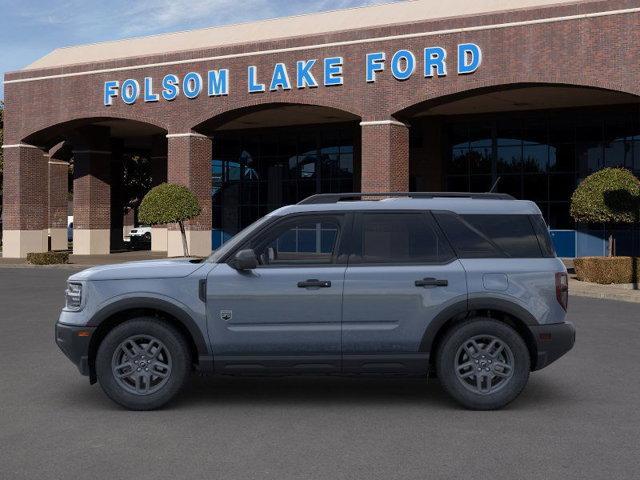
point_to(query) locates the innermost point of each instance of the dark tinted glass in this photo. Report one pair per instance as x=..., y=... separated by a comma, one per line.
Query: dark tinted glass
x=540, y=155
x=467, y=241
x=513, y=234
x=255, y=172
x=401, y=238
x=544, y=239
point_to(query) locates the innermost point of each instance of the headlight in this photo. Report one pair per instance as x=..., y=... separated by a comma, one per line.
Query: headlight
x=73, y=296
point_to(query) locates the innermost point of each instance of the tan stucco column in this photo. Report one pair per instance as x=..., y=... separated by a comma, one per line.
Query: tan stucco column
x=159, y=175
x=58, y=190
x=385, y=156
x=24, y=209
x=189, y=164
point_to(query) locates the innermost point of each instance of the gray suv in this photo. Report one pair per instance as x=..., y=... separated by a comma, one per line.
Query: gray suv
x=465, y=287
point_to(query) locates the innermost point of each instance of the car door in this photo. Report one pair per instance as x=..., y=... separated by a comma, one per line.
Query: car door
x=401, y=275
x=285, y=315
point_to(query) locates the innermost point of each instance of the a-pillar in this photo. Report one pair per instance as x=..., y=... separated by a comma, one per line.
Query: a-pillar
x=58, y=191
x=189, y=164
x=92, y=192
x=25, y=211
x=385, y=156
x=158, y=176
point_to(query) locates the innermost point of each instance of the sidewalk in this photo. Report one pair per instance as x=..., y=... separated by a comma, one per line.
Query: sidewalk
x=85, y=261
x=622, y=292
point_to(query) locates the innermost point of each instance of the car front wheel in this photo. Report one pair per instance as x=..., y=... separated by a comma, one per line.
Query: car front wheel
x=483, y=364
x=143, y=363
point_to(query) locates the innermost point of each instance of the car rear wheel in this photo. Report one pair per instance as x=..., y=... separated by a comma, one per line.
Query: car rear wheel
x=143, y=363
x=483, y=364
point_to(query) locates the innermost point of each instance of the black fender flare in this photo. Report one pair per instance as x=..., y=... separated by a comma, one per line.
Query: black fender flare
x=462, y=308
x=163, y=306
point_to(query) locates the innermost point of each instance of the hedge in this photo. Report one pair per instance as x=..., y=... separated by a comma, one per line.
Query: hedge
x=48, y=258
x=606, y=270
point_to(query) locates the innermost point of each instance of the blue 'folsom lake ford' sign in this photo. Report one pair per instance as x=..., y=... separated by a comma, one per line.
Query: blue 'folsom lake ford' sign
x=310, y=73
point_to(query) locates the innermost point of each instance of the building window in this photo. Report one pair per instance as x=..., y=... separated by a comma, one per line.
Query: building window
x=259, y=170
x=540, y=156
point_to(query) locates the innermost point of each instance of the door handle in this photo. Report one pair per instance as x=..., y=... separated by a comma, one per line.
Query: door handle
x=314, y=283
x=431, y=282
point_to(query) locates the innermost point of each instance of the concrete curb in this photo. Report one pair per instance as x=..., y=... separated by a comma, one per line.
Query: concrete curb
x=605, y=292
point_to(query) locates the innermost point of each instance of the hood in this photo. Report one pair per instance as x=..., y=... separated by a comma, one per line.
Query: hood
x=146, y=269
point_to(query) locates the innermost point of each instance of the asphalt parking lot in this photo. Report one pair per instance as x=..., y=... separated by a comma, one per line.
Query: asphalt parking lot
x=579, y=418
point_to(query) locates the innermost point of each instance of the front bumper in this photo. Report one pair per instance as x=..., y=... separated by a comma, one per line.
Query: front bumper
x=552, y=342
x=74, y=342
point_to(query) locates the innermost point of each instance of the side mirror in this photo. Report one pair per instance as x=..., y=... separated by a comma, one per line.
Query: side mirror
x=244, y=260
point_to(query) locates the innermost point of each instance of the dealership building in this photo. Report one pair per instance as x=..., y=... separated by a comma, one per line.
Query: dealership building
x=411, y=96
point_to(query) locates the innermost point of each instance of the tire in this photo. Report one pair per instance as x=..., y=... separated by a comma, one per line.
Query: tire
x=151, y=358
x=470, y=346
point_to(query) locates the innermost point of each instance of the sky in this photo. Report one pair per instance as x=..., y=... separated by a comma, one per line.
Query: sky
x=29, y=29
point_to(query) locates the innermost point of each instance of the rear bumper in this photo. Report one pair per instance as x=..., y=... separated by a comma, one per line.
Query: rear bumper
x=552, y=342
x=74, y=343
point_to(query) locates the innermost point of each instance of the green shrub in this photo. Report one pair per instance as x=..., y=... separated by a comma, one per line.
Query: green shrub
x=611, y=195
x=48, y=258
x=169, y=203
x=606, y=270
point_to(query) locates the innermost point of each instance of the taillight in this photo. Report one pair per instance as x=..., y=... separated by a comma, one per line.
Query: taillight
x=562, y=289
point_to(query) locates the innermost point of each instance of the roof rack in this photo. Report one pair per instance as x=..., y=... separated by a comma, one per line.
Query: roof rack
x=339, y=197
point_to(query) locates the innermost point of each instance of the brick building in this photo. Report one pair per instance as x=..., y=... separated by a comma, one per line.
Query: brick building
x=417, y=95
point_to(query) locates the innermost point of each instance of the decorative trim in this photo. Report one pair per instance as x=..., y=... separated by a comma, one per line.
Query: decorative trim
x=383, y=122
x=100, y=152
x=190, y=134
x=58, y=162
x=331, y=44
x=21, y=145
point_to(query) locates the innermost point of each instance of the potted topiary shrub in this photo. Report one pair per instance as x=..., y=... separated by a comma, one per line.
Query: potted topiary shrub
x=609, y=196
x=170, y=203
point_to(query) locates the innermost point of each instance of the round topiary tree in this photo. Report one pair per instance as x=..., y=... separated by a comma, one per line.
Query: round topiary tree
x=611, y=195
x=170, y=203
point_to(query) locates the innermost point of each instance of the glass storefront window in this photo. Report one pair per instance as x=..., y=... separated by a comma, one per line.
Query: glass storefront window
x=540, y=155
x=259, y=170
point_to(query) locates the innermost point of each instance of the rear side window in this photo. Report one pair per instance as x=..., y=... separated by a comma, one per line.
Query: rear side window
x=467, y=241
x=495, y=236
x=513, y=234
x=544, y=239
x=399, y=238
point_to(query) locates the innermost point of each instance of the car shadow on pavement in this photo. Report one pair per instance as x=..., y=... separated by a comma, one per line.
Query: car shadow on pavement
x=343, y=390
x=221, y=391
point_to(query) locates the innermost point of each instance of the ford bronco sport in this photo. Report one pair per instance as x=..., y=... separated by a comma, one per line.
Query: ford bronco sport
x=465, y=287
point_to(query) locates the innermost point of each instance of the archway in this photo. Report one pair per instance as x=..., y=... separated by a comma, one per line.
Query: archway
x=113, y=163
x=267, y=156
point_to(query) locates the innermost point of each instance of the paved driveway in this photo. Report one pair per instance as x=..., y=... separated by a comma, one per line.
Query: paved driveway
x=579, y=418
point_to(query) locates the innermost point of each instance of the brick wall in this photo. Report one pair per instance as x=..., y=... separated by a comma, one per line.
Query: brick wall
x=599, y=51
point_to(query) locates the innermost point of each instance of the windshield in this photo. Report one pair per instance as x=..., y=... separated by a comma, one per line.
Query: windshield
x=237, y=239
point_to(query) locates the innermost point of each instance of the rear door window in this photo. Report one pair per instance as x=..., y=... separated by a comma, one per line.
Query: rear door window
x=399, y=238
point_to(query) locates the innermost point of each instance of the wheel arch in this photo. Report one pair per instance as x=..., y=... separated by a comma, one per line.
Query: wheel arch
x=119, y=312
x=502, y=310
